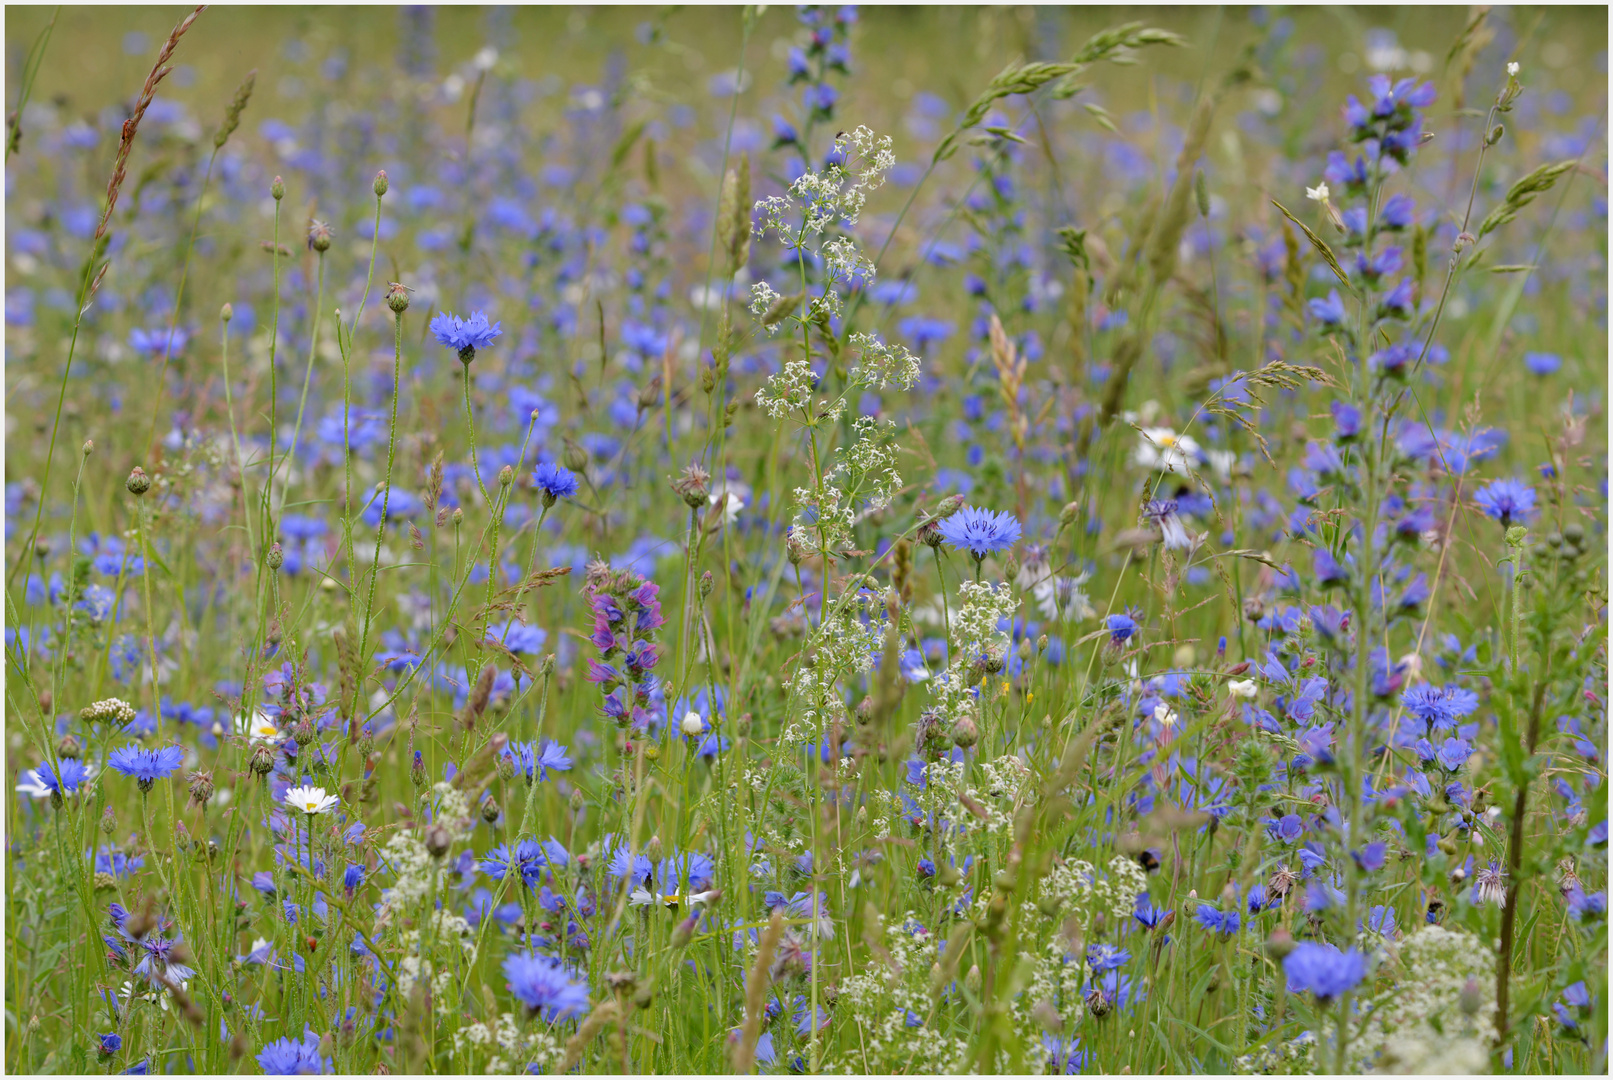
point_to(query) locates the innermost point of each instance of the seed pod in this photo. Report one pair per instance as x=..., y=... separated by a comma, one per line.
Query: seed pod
x=201, y=787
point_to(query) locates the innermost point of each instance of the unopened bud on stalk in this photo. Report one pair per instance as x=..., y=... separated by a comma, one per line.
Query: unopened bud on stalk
x=278, y=189
x=576, y=801
x=138, y=483
x=490, y=810
x=88, y=448
x=68, y=747
x=506, y=476
x=576, y=458
x=262, y=761
x=707, y=582
x=417, y=771
x=303, y=732
x=1471, y=998
x=654, y=849
x=109, y=822
x=459, y=516
x=380, y=183
x=226, y=313
x=397, y=297
x=964, y=732
x=276, y=556
x=506, y=767
x=319, y=237
x=438, y=841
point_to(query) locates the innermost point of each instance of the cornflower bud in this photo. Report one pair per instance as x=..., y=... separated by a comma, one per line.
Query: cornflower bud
x=506, y=767
x=694, y=485
x=319, y=236
x=380, y=183
x=303, y=732
x=506, y=476
x=576, y=458
x=458, y=516
x=438, y=841
x=576, y=801
x=278, y=189
x=226, y=313
x=397, y=297
x=109, y=822
x=964, y=732
x=138, y=483
x=68, y=747
x=707, y=582
x=490, y=809
x=276, y=556
x=88, y=448
x=201, y=787
x=654, y=850
x=262, y=761
x=417, y=771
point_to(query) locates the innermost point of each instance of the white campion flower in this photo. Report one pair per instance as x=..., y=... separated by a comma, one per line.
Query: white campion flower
x=1513, y=68
x=1319, y=193
x=310, y=800
x=1243, y=688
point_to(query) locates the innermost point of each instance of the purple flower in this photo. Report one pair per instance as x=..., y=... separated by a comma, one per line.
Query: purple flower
x=1399, y=212
x=980, y=532
x=546, y=986
x=1288, y=828
x=464, y=336
x=1395, y=358
x=294, y=1057
x=1454, y=754
x=110, y=1043
x=534, y=763
x=1508, y=501
x=1328, y=311
x=1346, y=419
x=1214, y=920
x=1324, y=970
x=146, y=766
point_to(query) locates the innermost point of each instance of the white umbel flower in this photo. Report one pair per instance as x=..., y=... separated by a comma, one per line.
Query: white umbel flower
x=310, y=800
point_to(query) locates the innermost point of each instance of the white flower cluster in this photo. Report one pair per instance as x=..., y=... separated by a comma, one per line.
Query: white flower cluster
x=789, y=390
x=514, y=1047
x=113, y=710
x=415, y=874
x=868, y=469
x=879, y=1001
x=1082, y=890
x=883, y=365
x=451, y=809
x=837, y=194
x=1420, y=1026
x=984, y=606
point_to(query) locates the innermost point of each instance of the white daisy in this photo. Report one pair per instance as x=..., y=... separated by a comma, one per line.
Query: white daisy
x=310, y=800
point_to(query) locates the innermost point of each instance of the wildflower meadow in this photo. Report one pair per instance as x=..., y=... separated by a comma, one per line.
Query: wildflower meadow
x=806, y=540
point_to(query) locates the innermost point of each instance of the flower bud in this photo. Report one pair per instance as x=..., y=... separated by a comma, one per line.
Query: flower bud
x=490, y=810
x=68, y=746
x=1280, y=944
x=276, y=556
x=319, y=237
x=397, y=297
x=506, y=476
x=138, y=483
x=226, y=313
x=577, y=801
x=964, y=732
x=654, y=850
x=303, y=732
x=506, y=767
x=576, y=458
x=109, y=822
x=380, y=183
x=278, y=189
x=707, y=582
x=1067, y=516
x=438, y=841
x=417, y=771
x=262, y=760
x=201, y=788
x=459, y=516
x=1471, y=998
x=88, y=448
x=693, y=724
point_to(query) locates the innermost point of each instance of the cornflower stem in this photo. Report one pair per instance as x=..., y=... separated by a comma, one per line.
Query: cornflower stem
x=470, y=427
x=386, y=494
x=307, y=377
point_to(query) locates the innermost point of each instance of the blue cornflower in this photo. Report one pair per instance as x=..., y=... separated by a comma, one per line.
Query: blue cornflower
x=534, y=762
x=980, y=532
x=45, y=781
x=1148, y=914
x=555, y=482
x=1066, y=1057
x=1104, y=957
x=1508, y=501
x=294, y=1057
x=146, y=766
x=1324, y=970
x=1542, y=363
x=546, y=986
x=464, y=336
x=1121, y=628
x=1439, y=707
x=1225, y=923
x=1395, y=358
x=1398, y=212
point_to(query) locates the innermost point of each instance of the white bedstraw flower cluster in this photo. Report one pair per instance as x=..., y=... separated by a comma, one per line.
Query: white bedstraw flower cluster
x=510, y=1048
x=867, y=470
x=883, y=365
x=837, y=194
x=1419, y=1026
x=841, y=648
x=1079, y=886
x=789, y=390
x=984, y=606
x=880, y=999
